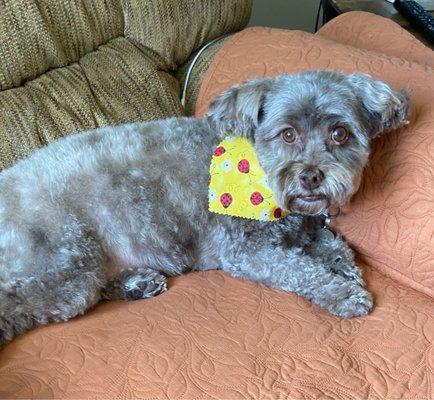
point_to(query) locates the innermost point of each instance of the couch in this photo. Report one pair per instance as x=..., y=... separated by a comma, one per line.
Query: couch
x=70, y=66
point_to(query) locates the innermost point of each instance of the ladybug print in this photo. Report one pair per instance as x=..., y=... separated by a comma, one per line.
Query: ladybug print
x=244, y=166
x=238, y=186
x=219, y=151
x=277, y=213
x=226, y=200
x=256, y=198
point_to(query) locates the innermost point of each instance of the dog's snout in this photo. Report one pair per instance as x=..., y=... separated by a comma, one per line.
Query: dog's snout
x=311, y=178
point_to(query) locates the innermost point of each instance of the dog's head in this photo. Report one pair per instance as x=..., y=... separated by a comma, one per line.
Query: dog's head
x=311, y=131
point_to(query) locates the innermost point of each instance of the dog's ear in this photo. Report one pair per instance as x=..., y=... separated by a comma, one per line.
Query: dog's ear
x=238, y=110
x=385, y=108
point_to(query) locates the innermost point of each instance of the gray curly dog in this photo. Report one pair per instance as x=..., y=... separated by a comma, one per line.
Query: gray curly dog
x=109, y=213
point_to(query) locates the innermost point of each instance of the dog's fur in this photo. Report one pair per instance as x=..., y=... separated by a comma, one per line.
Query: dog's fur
x=109, y=213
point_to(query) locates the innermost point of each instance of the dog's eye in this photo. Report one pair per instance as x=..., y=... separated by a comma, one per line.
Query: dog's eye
x=289, y=135
x=339, y=135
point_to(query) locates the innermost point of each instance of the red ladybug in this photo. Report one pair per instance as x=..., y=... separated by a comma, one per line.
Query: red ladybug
x=219, y=151
x=256, y=198
x=277, y=213
x=244, y=166
x=226, y=200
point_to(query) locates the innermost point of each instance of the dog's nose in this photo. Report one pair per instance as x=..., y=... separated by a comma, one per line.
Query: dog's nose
x=311, y=178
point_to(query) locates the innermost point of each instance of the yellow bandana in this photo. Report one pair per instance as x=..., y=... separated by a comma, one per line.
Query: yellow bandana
x=238, y=185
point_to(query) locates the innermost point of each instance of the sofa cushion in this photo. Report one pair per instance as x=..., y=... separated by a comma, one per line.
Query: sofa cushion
x=372, y=32
x=173, y=29
x=38, y=35
x=211, y=336
x=116, y=84
x=68, y=66
x=390, y=221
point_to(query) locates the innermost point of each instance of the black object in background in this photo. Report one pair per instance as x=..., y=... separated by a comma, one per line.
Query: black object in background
x=417, y=16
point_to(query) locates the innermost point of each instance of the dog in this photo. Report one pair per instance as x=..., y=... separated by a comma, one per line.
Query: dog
x=111, y=213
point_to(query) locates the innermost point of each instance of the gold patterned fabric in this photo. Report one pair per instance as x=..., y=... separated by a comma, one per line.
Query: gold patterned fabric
x=72, y=65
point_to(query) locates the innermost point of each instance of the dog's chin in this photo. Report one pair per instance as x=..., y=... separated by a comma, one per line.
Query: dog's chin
x=310, y=205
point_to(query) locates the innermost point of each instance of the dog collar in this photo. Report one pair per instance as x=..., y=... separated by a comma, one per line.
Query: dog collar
x=325, y=233
x=329, y=215
x=238, y=184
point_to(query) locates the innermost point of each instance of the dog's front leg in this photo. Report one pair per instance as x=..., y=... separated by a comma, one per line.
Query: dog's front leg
x=292, y=270
x=334, y=252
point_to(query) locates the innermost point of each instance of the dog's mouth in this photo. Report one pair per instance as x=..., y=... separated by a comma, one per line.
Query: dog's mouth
x=308, y=203
x=312, y=198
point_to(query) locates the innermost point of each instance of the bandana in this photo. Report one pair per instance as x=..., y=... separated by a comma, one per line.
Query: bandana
x=238, y=185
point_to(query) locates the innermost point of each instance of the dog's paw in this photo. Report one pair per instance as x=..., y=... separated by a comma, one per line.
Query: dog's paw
x=144, y=285
x=347, y=270
x=351, y=301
